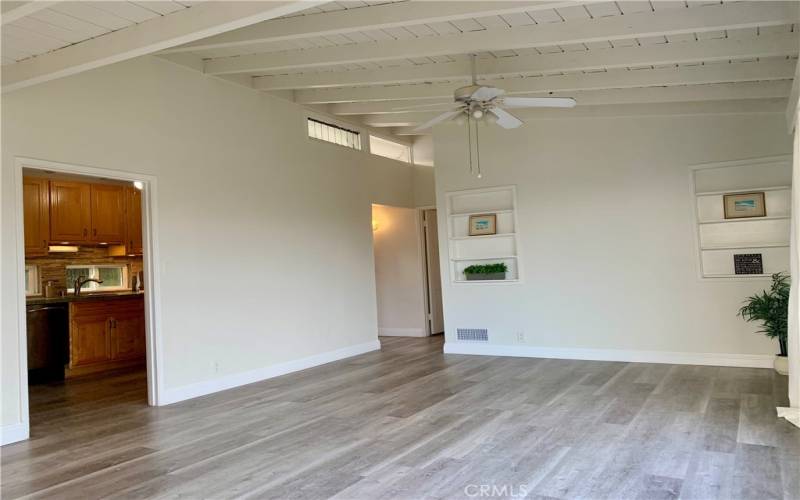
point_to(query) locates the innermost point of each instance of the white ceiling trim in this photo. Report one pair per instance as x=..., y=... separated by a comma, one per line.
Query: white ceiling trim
x=670, y=22
x=687, y=93
x=794, y=100
x=200, y=21
x=620, y=78
x=651, y=55
x=734, y=107
x=363, y=19
x=17, y=10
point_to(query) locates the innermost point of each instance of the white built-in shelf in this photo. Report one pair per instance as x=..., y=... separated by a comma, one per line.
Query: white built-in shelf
x=746, y=247
x=745, y=219
x=481, y=212
x=484, y=237
x=720, y=240
x=751, y=190
x=738, y=275
x=464, y=250
x=470, y=259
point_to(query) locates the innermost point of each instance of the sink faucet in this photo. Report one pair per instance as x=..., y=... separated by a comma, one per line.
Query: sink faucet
x=80, y=281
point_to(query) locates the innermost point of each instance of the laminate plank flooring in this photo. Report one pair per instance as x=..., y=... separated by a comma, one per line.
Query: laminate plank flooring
x=409, y=422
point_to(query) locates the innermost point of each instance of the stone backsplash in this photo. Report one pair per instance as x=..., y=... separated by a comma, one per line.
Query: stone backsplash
x=53, y=266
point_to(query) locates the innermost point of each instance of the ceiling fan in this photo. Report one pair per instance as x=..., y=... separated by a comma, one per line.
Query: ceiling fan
x=480, y=102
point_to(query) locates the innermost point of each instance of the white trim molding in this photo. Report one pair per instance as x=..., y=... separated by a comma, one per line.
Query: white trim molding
x=13, y=433
x=402, y=332
x=630, y=356
x=204, y=388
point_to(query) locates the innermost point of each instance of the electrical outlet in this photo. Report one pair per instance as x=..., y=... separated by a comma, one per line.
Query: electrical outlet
x=216, y=366
x=521, y=337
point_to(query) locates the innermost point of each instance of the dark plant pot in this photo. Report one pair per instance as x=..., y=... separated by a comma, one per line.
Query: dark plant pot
x=485, y=276
x=784, y=350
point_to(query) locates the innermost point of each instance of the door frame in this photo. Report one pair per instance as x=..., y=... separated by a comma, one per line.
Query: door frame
x=152, y=296
x=423, y=252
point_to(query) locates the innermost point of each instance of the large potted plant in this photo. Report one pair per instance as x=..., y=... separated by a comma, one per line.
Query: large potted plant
x=771, y=307
x=486, y=271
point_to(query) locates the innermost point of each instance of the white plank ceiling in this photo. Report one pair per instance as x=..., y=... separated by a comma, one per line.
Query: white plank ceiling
x=61, y=24
x=368, y=58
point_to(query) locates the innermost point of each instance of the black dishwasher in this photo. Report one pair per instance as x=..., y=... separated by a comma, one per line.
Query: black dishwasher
x=48, y=342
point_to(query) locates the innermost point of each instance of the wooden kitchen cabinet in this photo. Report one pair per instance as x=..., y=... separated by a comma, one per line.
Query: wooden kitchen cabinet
x=105, y=335
x=133, y=216
x=70, y=211
x=107, y=213
x=36, y=210
x=128, y=337
x=89, y=340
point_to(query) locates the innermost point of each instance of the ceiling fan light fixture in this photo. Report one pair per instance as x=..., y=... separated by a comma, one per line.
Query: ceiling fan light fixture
x=477, y=114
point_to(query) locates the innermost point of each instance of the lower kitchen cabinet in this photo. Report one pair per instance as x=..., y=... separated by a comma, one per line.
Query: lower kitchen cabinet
x=105, y=335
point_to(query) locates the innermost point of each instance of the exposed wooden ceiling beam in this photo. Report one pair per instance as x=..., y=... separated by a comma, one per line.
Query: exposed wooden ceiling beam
x=773, y=105
x=363, y=19
x=669, y=22
x=14, y=11
x=651, y=55
x=618, y=78
x=199, y=21
x=686, y=93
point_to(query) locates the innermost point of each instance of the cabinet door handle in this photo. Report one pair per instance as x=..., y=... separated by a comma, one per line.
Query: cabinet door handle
x=44, y=242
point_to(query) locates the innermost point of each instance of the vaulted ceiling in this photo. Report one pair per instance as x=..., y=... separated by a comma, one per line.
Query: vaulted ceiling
x=376, y=60
x=371, y=60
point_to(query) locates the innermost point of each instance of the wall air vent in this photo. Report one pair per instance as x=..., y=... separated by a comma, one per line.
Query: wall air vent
x=473, y=334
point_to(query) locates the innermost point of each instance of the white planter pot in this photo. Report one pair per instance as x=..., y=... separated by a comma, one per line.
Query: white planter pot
x=781, y=365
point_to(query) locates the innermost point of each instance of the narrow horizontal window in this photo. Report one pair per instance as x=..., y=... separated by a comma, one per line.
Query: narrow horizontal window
x=389, y=149
x=113, y=277
x=334, y=133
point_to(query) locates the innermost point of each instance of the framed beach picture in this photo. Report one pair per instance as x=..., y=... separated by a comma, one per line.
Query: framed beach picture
x=743, y=205
x=482, y=224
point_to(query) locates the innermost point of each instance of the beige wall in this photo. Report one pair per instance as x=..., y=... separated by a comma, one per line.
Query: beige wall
x=606, y=233
x=398, y=271
x=265, y=235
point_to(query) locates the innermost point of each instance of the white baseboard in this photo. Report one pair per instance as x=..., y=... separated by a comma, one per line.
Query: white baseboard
x=13, y=433
x=177, y=394
x=676, y=358
x=402, y=332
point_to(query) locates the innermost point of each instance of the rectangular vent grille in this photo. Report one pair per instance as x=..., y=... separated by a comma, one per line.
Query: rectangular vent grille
x=473, y=334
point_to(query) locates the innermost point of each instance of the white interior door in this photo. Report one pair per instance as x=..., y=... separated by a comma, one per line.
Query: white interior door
x=433, y=276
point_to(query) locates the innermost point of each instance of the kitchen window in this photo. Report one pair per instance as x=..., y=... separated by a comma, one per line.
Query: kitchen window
x=31, y=280
x=333, y=133
x=114, y=277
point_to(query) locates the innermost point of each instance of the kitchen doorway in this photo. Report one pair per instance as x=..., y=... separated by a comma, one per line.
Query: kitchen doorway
x=87, y=288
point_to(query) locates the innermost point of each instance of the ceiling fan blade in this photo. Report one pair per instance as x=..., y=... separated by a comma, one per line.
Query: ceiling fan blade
x=505, y=119
x=538, y=102
x=438, y=119
x=486, y=93
x=424, y=106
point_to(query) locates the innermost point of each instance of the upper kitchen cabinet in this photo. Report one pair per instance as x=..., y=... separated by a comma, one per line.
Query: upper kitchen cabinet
x=36, y=209
x=70, y=211
x=108, y=213
x=133, y=215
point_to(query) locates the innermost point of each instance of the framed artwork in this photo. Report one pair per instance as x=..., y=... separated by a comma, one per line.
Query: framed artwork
x=743, y=205
x=482, y=224
x=748, y=263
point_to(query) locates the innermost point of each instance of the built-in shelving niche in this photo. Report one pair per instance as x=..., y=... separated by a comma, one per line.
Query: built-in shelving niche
x=466, y=250
x=719, y=239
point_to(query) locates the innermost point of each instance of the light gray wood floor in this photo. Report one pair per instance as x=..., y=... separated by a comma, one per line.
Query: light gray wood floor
x=409, y=422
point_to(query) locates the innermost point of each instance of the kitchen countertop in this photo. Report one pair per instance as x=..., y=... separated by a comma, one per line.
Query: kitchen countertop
x=86, y=297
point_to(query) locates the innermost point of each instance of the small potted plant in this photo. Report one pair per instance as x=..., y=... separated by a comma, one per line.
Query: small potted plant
x=486, y=271
x=771, y=307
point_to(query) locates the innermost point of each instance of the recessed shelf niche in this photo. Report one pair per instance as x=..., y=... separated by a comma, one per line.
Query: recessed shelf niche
x=719, y=239
x=465, y=250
